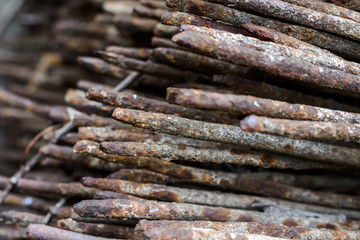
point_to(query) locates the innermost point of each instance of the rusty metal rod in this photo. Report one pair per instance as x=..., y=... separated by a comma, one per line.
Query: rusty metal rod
x=43, y=232
x=235, y=17
x=245, y=86
x=241, y=156
x=134, y=101
x=260, y=106
x=218, y=179
x=195, y=62
x=101, y=230
x=325, y=78
x=121, y=208
x=319, y=58
x=303, y=16
x=302, y=129
x=181, y=18
x=287, y=232
x=148, y=67
x=173, y=125
x=187, y=233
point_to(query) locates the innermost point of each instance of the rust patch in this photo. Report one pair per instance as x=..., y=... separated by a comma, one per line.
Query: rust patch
x=181, y=147
x=245, y=218
x=267, y=159
x=237, y=151
x=165, y=195
x=289, y=148
x=327, y=226
x=215, y=215
x=290, y=223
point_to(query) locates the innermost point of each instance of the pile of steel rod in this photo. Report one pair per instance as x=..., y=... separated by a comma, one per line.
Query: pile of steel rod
x=192, y=119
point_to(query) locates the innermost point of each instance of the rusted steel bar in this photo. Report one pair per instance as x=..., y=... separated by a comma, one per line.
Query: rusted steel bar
x=43, y=232
x=113, y=195
x=287, y=232
x=135, y=135
x=68, y=212
x=163, y=42
x=143, y=176
x=148, y=67
x=136, y=24
x=130, y=100
x=140, y=53
x=65, y=154
x=266, y=90
x=154, y=4
x=23, y=218
x=302, y=129
x=247, y=184
x=230, y=134
x=172, y=194
x=261, y=106
x=217, y=179
x=327, y=8
x=235, y=17
x=27, y=201
x=100, y=134
x=146, y=12
x=187, y=233
x=49, y=189
x=121, y=208
x=165, y=31
x=69, y=138
x=303, y=16
x=239, y=156
x=318, y=58
x=351, y=4
x=316, y=76
x=77, y=99
x=100, y=66
x=12, y=99
x=195, y=62
x=101, y=230
x=180, y=18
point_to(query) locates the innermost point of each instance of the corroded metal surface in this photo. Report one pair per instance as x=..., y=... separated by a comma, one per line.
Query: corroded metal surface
x=239, y=156
x=302, y=129
x=169, y=124
x=147, y=209
x=102, y=230
x=261, y=106
x=235, y=17
x=287, y=232
x=134, y=101
x=296, y=70
x=43, y=232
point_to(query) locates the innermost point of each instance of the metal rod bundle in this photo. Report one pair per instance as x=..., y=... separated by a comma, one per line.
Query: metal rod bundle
x=169, y=119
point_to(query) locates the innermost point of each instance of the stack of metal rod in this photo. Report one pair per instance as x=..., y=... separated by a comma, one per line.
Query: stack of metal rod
x=192, y=119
